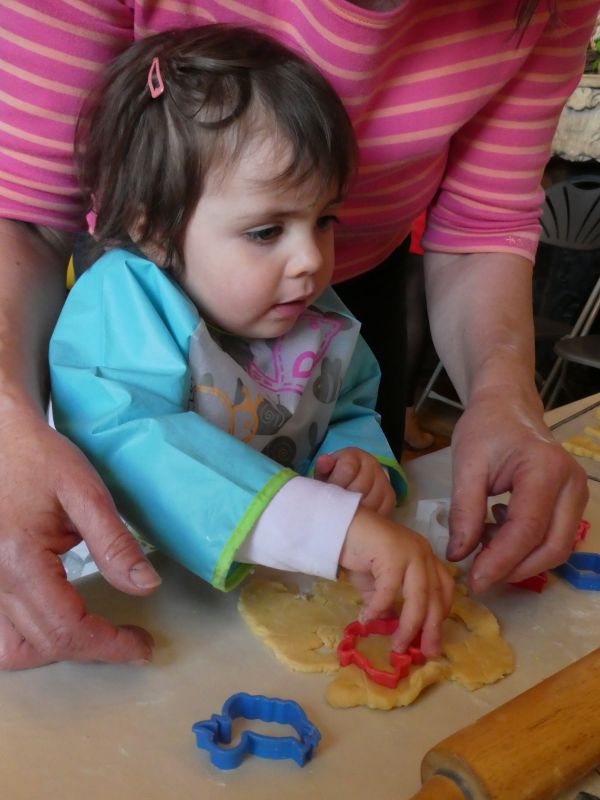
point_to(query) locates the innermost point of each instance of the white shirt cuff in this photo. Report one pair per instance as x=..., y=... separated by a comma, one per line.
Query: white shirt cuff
x=302, y=529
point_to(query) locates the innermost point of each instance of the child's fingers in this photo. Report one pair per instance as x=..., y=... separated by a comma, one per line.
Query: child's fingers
x=431, y=635
x=372, y=482
x=381, y=498
x=388, y=500
x=415, y=590
x=441, y=592
x=323, y=467
x=373, y=497
x=345, y=472
x=383, y=596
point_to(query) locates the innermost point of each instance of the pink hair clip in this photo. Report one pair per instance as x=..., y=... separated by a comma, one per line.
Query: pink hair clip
x=155, y=81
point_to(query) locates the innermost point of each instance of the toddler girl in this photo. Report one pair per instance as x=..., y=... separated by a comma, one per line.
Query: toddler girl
x=202, y=363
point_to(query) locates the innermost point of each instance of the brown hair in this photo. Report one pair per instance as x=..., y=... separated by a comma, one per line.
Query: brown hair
x=526, y=9
x=143, y=162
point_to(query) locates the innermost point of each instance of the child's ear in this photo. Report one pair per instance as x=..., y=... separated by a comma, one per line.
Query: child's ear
x=150, y=248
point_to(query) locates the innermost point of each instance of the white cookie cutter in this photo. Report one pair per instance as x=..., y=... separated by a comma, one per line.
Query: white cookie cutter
x=433, y=516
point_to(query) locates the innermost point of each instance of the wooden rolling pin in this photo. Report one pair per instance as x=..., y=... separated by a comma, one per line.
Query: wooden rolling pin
x=531, y=748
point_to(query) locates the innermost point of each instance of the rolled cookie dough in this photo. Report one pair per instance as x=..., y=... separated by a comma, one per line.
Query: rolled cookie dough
x=303, y=631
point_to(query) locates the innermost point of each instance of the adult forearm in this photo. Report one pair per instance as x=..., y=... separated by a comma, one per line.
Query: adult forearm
x=480, y=309
x=32, y=289
x=481, y=314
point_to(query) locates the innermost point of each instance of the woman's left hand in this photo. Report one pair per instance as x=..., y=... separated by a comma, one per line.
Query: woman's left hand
x=358, y=471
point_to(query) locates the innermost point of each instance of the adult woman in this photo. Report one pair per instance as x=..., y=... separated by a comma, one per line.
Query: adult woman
x=453, y=105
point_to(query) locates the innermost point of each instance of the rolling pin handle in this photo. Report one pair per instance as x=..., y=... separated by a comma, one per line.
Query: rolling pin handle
x=439, y=787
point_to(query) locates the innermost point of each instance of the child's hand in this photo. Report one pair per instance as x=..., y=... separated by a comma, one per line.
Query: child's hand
x=358, y=471
x=387, y=560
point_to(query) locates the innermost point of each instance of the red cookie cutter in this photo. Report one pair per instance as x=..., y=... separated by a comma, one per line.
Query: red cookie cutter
x=400, y=662
x=582, y=531
x=536, y=583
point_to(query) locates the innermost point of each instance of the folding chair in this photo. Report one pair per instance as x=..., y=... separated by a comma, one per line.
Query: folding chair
x=577, y=347
x=571, y=220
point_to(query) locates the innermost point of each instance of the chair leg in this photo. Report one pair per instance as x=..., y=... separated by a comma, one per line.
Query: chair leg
x=558, y=385
x=552, y=375
x=434, y=376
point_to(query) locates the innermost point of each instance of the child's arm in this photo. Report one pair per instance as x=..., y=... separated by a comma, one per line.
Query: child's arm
x=385, y=561
x=121, y=386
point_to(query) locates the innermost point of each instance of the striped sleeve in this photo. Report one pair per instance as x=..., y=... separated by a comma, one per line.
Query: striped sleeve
x=48, y=61
x=490, y=195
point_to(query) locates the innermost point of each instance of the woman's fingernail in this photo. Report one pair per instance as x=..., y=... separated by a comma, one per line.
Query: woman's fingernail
x=144, y=576
x=453, y=550
x=479, y=582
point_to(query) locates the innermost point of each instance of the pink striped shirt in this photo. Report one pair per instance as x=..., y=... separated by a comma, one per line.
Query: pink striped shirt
x=450, y=109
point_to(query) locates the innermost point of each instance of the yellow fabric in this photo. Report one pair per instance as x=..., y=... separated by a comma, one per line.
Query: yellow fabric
x=70, y=273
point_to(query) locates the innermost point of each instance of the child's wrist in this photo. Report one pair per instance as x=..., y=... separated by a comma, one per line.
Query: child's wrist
x=362, y=538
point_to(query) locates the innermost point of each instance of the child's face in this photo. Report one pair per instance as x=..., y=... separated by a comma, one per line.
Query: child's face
x=256, y=254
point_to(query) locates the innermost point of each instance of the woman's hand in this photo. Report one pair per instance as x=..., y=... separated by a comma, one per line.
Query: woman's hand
x=358, y=471
x=51, y=498
x=500, y=446
x=386, y=560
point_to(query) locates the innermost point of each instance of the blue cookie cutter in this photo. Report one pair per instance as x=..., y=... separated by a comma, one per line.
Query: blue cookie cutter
x=581, y=570
x=216, y=731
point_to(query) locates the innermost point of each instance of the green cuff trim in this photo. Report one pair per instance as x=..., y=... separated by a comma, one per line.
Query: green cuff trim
x=227, y=573
x=397, y=477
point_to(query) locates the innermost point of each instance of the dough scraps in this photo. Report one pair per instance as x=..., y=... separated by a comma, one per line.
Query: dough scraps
x=583, y=446
x=303, y=631
x=593, y=431
x=586, y=445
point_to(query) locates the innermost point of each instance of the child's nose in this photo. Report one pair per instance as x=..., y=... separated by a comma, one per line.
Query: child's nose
x=307, y=259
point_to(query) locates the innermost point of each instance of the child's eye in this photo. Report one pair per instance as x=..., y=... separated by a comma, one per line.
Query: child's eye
x=326, y=221
x=264, y=234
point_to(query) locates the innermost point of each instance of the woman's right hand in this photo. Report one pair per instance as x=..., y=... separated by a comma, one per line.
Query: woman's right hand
x=386, y=560
x=50, y=499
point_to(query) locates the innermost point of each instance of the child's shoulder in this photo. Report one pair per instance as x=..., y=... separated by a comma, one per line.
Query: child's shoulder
x=129, y=270
x=125, y=279
x=124, y=260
